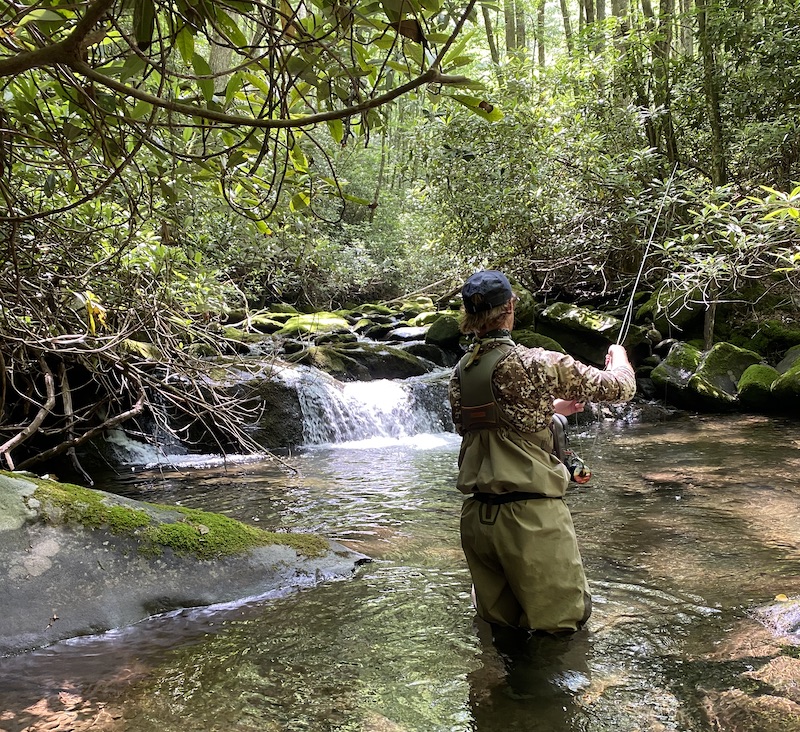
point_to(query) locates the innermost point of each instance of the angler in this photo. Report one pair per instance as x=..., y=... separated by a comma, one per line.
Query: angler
x=516, y=530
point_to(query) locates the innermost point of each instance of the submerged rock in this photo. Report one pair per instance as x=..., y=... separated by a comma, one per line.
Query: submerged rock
x=79, y=561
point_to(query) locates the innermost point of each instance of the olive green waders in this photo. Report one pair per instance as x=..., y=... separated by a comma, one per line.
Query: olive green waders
x=525, y=564
x=516, y=530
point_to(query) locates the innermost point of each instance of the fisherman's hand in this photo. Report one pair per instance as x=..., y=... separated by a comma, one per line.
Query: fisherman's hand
x=567, y=407
x=616, y=357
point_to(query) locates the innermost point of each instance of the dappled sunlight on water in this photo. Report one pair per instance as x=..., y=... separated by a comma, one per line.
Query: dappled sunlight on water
x=685, y=529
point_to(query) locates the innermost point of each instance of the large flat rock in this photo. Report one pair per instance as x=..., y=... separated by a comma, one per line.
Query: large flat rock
x=63, y=579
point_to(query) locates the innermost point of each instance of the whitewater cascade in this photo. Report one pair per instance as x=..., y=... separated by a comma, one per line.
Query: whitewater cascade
x=335, y=411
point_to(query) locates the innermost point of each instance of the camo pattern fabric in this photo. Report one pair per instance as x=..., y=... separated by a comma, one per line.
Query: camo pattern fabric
x=527, y=380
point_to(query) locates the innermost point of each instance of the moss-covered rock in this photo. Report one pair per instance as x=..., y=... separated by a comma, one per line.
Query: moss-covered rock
x=372, y=308
x=159, y=527
x=78, y=560
x=141, y=349
x=444, y=331
x=321, y=322
x=425, y=318
x=362, y=361
x=755, y=388
x=531, y=339
x=415, y=306
x=672, y=312
x=786, y=389
x=790, y=359
x=283, y=307
x=715, y=381
x=332, y=361
x=586, y=333
x=525, y=308
x=268, y=322
x=672, y=375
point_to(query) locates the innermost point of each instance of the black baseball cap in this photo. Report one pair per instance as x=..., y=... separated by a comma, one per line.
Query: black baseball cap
x=485, y=290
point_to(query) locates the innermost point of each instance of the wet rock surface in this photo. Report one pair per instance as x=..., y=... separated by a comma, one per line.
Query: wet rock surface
x=64, y=578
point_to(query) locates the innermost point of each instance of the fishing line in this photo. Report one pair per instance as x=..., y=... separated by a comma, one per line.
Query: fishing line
x=628, y=317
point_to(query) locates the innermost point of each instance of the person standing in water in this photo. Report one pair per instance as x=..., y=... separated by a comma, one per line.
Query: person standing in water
x=516, y=530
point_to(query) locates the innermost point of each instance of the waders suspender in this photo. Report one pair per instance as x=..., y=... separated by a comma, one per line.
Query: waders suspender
x=479, y=410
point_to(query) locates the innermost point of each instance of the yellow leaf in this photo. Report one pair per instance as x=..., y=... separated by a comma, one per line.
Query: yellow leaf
x=781, y=598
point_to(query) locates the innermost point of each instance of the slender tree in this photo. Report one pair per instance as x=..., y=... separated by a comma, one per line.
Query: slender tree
x=711, y=89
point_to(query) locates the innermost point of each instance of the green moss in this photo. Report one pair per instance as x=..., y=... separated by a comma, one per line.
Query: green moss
x=314, y=323
x=758, y=377
x=74, y=504
x=530, y=339
x=375, y=308
x=207, y=535
x=202, y=534
x=141, y=349
x=582, y=318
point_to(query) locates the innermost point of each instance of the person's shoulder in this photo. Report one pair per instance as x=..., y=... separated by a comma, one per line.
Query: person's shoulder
x=537, y=354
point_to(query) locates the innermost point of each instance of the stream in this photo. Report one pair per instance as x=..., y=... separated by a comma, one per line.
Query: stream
x=686, y=527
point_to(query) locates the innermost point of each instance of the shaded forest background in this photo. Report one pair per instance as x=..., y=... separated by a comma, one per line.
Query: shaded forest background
x=167, y=166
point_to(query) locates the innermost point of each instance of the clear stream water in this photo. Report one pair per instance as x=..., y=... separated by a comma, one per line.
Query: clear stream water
x=686, y=527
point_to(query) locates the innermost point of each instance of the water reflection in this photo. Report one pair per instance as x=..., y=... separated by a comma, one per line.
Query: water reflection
x=685, y=527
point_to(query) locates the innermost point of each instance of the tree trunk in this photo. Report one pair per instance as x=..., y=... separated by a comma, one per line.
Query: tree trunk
x=708, y=325
x=509, y=16
x=490, y=39
x=661, y=70
x=686, y=30
x=567, y=24
x=588, y=11
x=521, y=25
x=540, y=33
x=379, y=183
x=719, y=171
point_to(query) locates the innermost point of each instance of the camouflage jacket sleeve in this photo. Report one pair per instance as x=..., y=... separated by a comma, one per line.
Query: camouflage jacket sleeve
x=526, y=382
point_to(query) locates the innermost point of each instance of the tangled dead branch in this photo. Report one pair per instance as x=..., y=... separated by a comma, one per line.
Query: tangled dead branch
x=74, y=364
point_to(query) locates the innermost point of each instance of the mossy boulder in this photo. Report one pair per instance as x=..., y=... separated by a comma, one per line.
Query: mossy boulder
x=786, y=390
x=525, y=308
x=80, y=561
x=268, y=322
x=415, y=306
x=790, y=359
x=362, y=361
x=672, y=312
x=372, y=308
x=755, y=388
x=331, y=360
x=715, y=381
x=425, y=318
x=531, y=339
x=671, y=376
x=282, y=307
x=407, y=333
x=321, y=322
x=141, y=349
x=768, y=337
x=587, y=333
x=444, y=331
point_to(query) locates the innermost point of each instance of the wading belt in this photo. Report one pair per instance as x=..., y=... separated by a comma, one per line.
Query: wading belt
x=497, y=499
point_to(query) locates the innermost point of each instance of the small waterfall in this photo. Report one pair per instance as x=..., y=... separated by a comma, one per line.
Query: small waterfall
x=335, y=411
